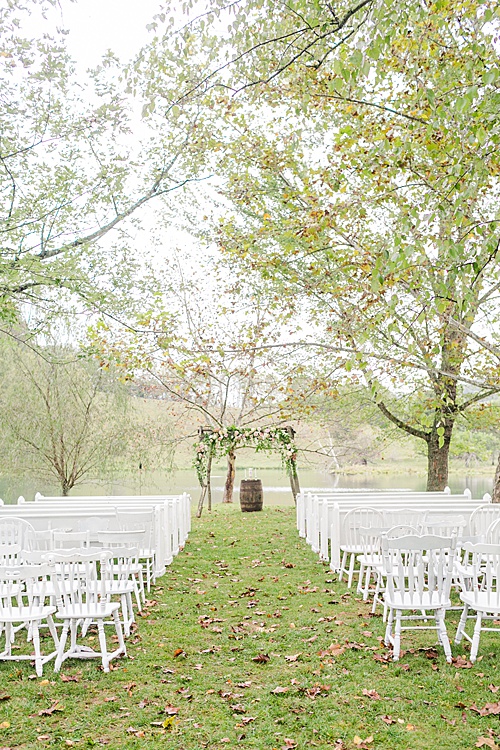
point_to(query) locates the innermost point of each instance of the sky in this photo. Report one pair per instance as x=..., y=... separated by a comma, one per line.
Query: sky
x=98, y=25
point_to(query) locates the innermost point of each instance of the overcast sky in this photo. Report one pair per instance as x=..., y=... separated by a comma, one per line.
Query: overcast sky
x=98, y=25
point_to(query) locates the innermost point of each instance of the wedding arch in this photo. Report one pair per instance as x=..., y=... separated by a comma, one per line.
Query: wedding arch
x=216, y=442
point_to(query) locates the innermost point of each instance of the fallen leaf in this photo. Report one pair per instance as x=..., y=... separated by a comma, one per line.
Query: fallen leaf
x=371, y=694
x=49, y=711
x=279, y=690
x=179, y=652
x=171, y=710
x=70, y=678
x=488, y=742
x=460, y=663
x=388, y=720
x=493, y=688
x=292, y=658
x=261, y=658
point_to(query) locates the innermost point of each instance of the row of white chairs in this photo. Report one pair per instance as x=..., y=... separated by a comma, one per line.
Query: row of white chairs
x=167, y=516
x=72, y=588
x=320, y=516
x=415, y=573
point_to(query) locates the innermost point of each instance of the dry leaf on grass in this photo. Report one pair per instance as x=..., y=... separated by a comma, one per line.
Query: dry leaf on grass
x=261, y=658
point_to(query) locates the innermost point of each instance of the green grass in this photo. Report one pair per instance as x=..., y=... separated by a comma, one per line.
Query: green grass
x=247, y=585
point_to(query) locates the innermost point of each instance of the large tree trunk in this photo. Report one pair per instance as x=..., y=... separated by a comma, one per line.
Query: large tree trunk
x=496, y=484
x=437, y=458
x=229, y=485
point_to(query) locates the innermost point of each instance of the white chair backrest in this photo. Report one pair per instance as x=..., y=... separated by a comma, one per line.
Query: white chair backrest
x=15, y=530
x=124, y=562
x=416, y=564
x=481, y=518
x=93, y=524
x=401, y=529
x=124, y=538
x=404, y=516
x=43, y=540
x=71, y=539
x=360, y=518
x=79, y=576
x=440, y=525
x=23, y=586
x=484, y=575
x=492, y=535
x=9, y=554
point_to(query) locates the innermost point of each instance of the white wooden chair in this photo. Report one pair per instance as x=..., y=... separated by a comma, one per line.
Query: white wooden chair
x=363, y=517
x=480, y=592
x=80, y=579
x=22, y=604
x=419, y=572
x=70, y=539
x=141, y=521
x=124, y=538
x=15, y=530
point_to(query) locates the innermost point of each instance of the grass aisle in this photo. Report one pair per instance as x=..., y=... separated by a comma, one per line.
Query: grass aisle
x=251, y=642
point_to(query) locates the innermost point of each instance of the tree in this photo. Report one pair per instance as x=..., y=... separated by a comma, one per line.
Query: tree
x=64, y=418
x=367, y=183
x=205, y=355
x=72, y=172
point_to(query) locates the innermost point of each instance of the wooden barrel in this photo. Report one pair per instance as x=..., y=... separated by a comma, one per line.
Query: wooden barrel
x=251, y=496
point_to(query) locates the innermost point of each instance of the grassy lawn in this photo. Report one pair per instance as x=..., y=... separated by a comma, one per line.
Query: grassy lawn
x=250, y=641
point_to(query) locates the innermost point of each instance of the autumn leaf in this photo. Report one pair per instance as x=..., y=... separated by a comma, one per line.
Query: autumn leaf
x=371, y=694
x=179, y=652
x=70, y=678
x=49, y=711
x=279, y=690
x=388, y=720
x=292, y=658
x=238, y=708
x=460, y=663
x=487, y=710
x=486, y=742
x=261, y=658
x=129, y=687
x=171, y=710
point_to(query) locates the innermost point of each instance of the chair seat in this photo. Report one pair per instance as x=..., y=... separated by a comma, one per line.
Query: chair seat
x=481, y=601
x=425, y=600
x=25, y=614
x=84, y=611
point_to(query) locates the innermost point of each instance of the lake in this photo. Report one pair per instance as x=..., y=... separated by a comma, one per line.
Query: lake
x=275, y=483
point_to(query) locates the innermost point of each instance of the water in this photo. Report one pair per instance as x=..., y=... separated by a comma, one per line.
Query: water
x=275, y=483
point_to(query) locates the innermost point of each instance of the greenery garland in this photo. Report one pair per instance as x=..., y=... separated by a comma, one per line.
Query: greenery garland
x=219, y=442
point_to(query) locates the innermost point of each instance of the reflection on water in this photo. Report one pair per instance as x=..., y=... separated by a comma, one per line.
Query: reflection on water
x=275, y=482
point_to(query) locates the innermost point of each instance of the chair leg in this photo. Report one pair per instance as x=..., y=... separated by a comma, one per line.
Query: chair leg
x=388, y=628
x=360, y=588
x=103, y=645
x=443, y=634
x=476, y=637
x=35, y=635
x=351, y=570
x=397, y=636
x=62, y=644
x=52, y=630
x=366, y=587
x=461, y=625
x=119, y=633
x=343, y=566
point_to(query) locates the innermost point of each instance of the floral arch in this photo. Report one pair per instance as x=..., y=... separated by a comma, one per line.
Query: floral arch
x=214, y=443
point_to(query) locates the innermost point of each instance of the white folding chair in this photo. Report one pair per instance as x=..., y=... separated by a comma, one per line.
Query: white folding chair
x=22, y=604
x=80, y=579
x=419, y=572
x=363, y=517
x=480, y=592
